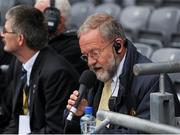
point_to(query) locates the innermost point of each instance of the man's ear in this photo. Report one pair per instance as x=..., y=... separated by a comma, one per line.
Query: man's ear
x=118, y=45
x=21, y=39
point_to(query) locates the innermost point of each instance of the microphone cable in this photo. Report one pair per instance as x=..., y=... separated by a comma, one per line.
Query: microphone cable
x=116, y=67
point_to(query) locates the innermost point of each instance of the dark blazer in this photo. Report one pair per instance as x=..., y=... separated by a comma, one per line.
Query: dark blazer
x=134, y=94
x=52, y=80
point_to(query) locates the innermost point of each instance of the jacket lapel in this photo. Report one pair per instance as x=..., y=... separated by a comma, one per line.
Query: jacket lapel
x=17, y=94
x=18, y=83
x=34, y=78
x=126, y=78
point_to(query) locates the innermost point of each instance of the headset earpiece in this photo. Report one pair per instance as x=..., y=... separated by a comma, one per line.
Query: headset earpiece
x=117, y=46
x=52, y=15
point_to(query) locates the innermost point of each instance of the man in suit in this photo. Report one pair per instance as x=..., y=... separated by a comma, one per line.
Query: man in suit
x=49, y=80
x=62, y=40
x=112, y=57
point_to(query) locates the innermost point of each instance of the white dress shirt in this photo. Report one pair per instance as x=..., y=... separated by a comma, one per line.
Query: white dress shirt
x=28, y=66
x=115, y=79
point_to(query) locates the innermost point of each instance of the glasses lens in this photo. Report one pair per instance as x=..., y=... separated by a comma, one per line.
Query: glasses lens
x=84, y=58
x=5, y=31
x=95, y=54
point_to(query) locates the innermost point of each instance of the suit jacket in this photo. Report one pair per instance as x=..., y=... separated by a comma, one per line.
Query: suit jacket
x=52, y=80
x=134, y=94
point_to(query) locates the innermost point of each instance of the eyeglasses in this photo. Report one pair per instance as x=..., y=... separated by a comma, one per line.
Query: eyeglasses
x=94, y=54
x=4, y=31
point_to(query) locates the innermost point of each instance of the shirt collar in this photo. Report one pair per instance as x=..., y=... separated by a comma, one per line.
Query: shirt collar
x=119, y=69
x=29, y=64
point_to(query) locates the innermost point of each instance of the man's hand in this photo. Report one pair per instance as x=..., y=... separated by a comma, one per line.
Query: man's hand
x=72, y=100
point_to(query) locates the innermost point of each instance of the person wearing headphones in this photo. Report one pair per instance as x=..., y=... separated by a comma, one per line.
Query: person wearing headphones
x=112, y=56
x=65, y=42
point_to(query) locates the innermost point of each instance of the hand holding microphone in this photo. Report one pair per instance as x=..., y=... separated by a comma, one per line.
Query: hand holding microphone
x=86, y=81
x=82, y=105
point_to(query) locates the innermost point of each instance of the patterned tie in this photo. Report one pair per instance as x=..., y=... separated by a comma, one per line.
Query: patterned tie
x=25, y=92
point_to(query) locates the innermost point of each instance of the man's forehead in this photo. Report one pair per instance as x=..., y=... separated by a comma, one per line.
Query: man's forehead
x=90, y=36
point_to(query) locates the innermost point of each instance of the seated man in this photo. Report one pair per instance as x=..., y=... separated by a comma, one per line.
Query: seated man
x=63, y=41
x=112, y=57
x=41, y=80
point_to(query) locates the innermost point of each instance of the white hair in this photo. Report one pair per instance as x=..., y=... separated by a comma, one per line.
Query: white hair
x=64, y=7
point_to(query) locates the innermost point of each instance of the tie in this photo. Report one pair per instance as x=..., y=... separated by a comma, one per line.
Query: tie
x=106, y=93
x=23, y=76
x=25, y=92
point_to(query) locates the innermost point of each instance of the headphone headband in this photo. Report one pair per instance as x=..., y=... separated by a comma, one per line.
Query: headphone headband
x=52, y=15
x=52, y=3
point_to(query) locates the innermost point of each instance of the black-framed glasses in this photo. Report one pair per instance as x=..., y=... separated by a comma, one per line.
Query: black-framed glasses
x=4, y=31
x=94, y=54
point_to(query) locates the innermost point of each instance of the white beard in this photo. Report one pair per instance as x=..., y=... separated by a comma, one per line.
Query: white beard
x=106, y=74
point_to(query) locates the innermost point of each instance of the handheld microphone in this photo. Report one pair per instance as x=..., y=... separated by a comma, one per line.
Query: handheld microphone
x=87, y=80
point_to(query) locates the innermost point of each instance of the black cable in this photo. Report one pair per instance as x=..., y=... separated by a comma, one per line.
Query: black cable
x=66, y=125
x=116, y=67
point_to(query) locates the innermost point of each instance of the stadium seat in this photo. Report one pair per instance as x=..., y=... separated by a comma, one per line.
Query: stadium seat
x=25, y=2
x=121, y=3
x=173, y=3
x=74, y=1
x=126, y=3
x=109, y=8
x=79, y=12
x=108, y=1
x=165, y=55
x=162, y=23
x=154, y=3
x=4, y=6
x=7, y=4
x=154, y=39
x=134, y=18
x=175, y=40
x=144, y=49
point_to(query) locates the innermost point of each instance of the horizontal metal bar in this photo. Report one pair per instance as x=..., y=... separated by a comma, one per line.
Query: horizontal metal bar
x=136, y=123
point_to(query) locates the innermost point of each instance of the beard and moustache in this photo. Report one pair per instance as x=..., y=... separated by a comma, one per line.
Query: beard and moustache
x=105, y=72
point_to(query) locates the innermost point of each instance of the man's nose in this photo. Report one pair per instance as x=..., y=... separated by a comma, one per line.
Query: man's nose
x=1, y=33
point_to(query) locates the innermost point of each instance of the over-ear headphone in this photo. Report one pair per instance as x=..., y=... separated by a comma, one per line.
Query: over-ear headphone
x=52, y=15
x=116, y=46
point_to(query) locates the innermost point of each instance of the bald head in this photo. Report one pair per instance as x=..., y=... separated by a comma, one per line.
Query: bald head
x=63, y=6
x=42, y=4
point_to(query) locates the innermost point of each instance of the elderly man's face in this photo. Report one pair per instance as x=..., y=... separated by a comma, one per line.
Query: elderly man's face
x=99, y=54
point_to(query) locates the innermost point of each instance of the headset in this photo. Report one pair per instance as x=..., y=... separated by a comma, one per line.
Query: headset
x=52, y=15
x=116, y=46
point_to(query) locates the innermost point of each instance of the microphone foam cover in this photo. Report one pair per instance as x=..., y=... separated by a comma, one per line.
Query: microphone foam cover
x=88, y=78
